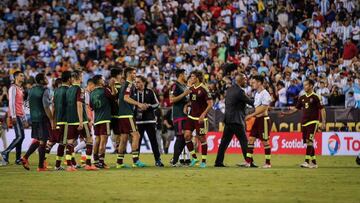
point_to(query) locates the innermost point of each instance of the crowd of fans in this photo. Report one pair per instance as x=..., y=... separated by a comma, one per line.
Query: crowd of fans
x=284, y=40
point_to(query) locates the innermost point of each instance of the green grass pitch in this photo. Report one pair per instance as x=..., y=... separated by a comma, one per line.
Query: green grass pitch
x=336, y=180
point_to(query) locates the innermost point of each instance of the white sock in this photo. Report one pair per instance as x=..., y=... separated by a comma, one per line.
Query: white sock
x=80, y=146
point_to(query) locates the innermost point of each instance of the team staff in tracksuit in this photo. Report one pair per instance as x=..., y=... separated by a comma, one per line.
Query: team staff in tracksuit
x=145, y=119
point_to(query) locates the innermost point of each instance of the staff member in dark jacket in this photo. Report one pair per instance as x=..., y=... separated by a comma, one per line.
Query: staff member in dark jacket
x=145, y=119
x=235, y=104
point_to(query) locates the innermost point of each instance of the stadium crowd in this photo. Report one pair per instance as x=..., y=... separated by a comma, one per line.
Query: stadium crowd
x=286, y=41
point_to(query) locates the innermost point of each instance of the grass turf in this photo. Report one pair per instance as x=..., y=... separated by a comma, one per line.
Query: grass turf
x=336, y=180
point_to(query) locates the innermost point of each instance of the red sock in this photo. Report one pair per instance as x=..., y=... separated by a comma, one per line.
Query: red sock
x=249, y=153
x=204, y=149
x=190, y=146
x=89, y=148
x=59, y=154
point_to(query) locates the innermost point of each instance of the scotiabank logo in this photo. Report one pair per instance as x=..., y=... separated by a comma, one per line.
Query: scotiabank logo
x=334, y=144
x=291, y=143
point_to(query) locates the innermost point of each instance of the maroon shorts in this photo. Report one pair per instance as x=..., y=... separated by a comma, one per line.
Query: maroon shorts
x=73, y=132
x=261, y=128
x=309, y=131
x=127, y=125
x=115, y=127
x=102, y=129
x=201, y=128
x=57, y=135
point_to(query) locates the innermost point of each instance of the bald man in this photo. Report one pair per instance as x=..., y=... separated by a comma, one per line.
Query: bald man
x=235, y=104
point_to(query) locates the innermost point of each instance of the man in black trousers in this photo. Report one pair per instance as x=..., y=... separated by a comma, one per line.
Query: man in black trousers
x=235, y=104
x=145, y=119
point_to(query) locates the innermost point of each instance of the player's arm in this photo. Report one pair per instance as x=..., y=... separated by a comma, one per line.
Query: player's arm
x=174, y=99
x=154, y=101
x=258, y=111
x=131, y=101
x=292, y=110
x=209, y=106
x=79, y=107
x=323, y=117
x=245, y=99
x=46, y=104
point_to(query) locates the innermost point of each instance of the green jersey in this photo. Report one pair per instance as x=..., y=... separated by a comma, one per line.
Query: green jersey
x=39, y=98
x=75, y=94
x=114, y=103
x=178, y=107
x=60, y=104
x=100, y=102
x=125, y=109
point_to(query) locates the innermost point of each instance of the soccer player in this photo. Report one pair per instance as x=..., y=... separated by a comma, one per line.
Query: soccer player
x=200, y=104
x=17, y=116
x=41, y=119
x=312, y=108
x=127, y=121
x=100, y=99
x=261, y=127
x=115, y=85
x=77, y=122
x=60, y=116
x=178, y=95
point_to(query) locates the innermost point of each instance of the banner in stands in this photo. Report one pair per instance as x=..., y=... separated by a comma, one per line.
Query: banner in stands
x=341, y=143
x=281, y=143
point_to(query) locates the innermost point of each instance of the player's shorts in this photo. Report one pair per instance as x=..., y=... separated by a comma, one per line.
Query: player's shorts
x=57, y=135
x=201, y=128
x=179, y=124
x=127, y=125
x=102, y=129
x=72, y=132
x=308, y=132
x=261, y=128
x=115, y=127
x=40, y=130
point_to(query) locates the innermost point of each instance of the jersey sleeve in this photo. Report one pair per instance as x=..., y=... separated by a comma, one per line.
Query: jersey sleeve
x=173, y=91
x=207, y=93
x=80, y=95
x=266, y=99
x=46, y=99
x=108, y=94
x=128, y=89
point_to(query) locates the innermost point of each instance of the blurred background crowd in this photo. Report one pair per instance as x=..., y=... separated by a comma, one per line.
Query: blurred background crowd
x=284, y=40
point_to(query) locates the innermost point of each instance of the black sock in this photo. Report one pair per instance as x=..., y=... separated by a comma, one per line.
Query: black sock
x=41, y=151
x=178, y=148
x=34, y=145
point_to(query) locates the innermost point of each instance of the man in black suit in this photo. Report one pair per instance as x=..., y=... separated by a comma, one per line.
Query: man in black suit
x=235, y=104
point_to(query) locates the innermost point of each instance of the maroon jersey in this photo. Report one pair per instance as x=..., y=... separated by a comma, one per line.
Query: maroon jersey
x=198, y=100
x=311, y=106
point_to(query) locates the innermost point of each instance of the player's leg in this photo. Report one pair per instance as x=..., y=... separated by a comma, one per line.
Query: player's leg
x=61, y=148
x=312, y=137
x=121, y=151
x=266, y=143
x=19, y=144
x=141, y=129
x=72, y=136
x=189, y=128
x=96, y=150
x=201, y=131
x=135, y=137
x=34, y=145
x=254, y=133
x=179, y=142
x=44, y=129
x=105, y=131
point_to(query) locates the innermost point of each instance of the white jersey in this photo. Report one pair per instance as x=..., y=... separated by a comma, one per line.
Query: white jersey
x=262, y=98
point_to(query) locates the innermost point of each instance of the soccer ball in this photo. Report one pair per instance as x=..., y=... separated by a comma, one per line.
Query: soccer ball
x=358, y=159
